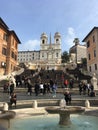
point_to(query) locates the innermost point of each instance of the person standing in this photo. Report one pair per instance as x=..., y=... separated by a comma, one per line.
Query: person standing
x=88, y=88
x=84, y=88
x=36, y=88
x=29, y=85
x=54, y=88
x=51, y=83
x=67, y=96
x=41, y=88
x=66, y=83
x=13, y=99
x=71, y=82
x=11, y=89
x=80, y=88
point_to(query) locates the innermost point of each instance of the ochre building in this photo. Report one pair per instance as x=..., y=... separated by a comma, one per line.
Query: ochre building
x=8, y=49
x=92, y=50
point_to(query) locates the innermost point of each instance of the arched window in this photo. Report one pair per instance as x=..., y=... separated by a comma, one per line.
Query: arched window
x=43, y=41
x=57, y=40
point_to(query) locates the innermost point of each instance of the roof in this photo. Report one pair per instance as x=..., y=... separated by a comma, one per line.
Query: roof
x=13, y=33
x=57, y=34
x=28, y=51
x=2, y=23
x=43, y=35
x=89, y=34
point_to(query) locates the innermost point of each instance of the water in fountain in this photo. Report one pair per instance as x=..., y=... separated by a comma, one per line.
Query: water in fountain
x=62, y=103
x=50, y=122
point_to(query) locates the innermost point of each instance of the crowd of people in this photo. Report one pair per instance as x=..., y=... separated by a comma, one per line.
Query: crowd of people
x=42, y=88
x=86, y=88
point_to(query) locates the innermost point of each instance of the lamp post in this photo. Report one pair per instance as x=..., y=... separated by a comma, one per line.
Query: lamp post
x=3, y=65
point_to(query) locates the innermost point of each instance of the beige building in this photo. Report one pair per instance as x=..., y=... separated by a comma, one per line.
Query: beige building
x=28, y=56
x=77, y=52
x=92, y=50
x=8, y=49
x=48, y=57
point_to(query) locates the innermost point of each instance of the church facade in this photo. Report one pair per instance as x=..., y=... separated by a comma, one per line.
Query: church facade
x=48, y=57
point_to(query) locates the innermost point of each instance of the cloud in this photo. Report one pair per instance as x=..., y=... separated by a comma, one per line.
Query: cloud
x=30, y=45
x=70, y=37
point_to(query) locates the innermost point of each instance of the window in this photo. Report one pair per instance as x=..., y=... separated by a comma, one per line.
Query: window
x=15, y=57
x=42, y=54
x=94, y=53
x=89, y=56
x=90, y=69
x=33, y=58
x=56, y=54
x=5, y=37
x=14, y=68
x=11, y=67
x=13, y=41
x=4, y=51
x=93, y=38
x=88, y=44
x=57, y=40
x=43, y=41
x=16, y=45
x=12, y=54
x=95, y=66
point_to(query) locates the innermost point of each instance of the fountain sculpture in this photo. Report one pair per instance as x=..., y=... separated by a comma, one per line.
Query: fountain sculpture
x=65, y=112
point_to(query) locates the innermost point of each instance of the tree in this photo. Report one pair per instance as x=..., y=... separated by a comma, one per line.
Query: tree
x=65, y=57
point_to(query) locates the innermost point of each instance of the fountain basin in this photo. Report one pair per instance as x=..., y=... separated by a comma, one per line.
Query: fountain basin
x=64, y=113
x=5, y=117
x=67, y=109
x=7, y=114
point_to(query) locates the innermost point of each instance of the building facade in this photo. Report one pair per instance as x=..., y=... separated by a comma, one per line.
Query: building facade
x=28, y=56
x=77, y=52
x=8, y=49
x=49, y=55
x=92, y=50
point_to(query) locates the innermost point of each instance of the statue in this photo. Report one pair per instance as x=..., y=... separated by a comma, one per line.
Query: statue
x=94, y=81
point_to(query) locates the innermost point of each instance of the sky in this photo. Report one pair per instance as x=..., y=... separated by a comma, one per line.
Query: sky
x=30, y=18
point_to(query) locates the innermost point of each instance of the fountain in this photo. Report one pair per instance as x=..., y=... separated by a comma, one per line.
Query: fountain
x=50, y=121
x=5, y=117
x=65, y=112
